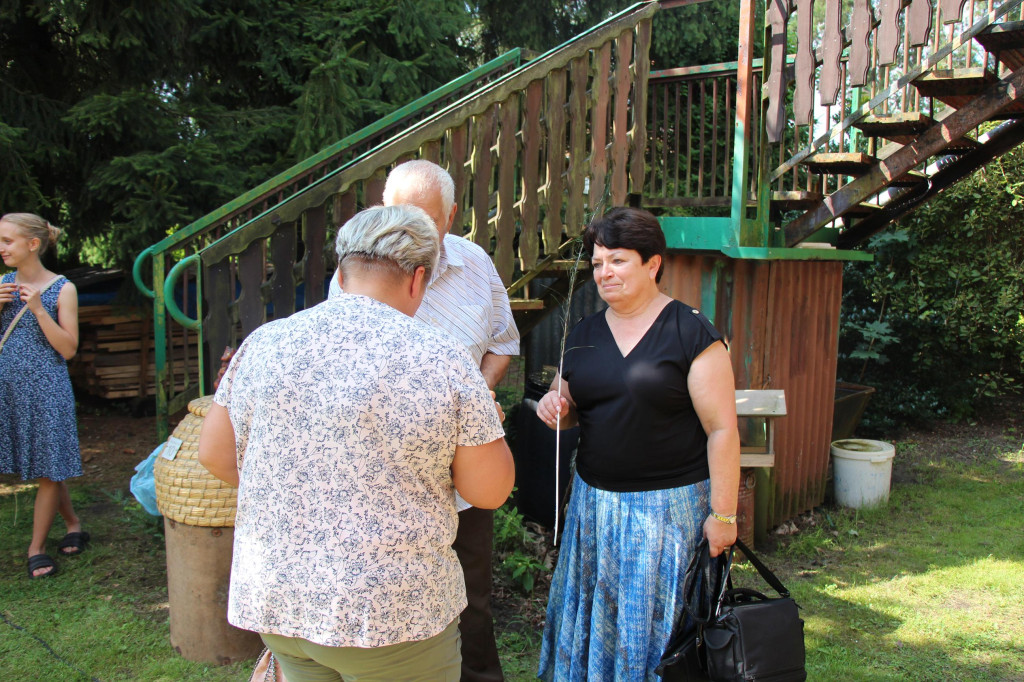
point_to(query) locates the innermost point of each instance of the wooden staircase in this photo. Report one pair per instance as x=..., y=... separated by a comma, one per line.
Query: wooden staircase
x=534, y=151
x=912, y=154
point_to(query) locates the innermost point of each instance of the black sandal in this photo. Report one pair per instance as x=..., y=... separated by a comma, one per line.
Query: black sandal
x=75, y=541
x=37, y=561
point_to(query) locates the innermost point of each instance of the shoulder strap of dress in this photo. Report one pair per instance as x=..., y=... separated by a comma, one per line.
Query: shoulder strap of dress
x=49, y=284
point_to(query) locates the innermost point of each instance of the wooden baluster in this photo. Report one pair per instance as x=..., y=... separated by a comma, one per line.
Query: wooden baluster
x=218, y=329
x=860, y=32
x=952, y=10
x=431, y=151
x=676, y=134
x=252, y=310
x=689, y=134
x=714, y=135
x=919, y=21
x=803, y=97
x=653, y=147
x=730, y=87
x=599, y=128
x=620, y=130
x=888, y=31
x=528, y=237
x=664, y=146
x=457, y=169
x=555, y=118
x=482, y=170
x=314, y=232
x=701, y=148
x=832, y=49
x=638, y=135
x=775, y=119
x=373, y=188
x=505, y=221
x=579, y=71
x=282, y=282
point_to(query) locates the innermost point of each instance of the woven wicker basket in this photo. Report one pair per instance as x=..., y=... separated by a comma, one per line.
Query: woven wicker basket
x=185, y=491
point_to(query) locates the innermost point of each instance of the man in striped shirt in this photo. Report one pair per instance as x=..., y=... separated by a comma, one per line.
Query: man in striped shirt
x=465, y=298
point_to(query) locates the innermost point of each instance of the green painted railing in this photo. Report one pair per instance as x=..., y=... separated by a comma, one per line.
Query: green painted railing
x=585, y=92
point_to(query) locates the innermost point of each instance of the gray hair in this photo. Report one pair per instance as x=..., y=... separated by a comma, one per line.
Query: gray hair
x=396, y=237
x=34, y=227
x=421, y=176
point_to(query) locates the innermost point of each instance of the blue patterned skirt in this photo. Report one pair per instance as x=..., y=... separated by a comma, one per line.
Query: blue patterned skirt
x=617, y=589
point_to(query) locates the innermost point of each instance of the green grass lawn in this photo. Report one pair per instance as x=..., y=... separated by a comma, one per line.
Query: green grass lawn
x=926, y=588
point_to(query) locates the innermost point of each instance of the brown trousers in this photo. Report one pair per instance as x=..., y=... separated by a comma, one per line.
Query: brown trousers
x=474, y=543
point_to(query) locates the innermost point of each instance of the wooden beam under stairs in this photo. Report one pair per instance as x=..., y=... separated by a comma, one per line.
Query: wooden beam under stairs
x=1006, y=42
x=1001, y=140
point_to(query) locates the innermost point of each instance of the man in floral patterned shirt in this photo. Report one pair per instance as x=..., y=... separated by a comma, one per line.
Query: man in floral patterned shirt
x=348, y=428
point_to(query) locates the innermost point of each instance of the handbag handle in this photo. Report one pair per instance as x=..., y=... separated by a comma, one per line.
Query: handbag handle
x=21, y=312
x=707, y=580
x=705, y=583
x=768, y=576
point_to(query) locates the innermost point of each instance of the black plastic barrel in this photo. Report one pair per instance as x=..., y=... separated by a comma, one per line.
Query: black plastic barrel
x=534, y=454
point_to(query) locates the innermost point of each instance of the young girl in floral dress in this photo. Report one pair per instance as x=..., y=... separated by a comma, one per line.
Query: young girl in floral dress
x=38, y=432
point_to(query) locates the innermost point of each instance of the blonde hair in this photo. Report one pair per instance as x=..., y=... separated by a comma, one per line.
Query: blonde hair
x=35, y=227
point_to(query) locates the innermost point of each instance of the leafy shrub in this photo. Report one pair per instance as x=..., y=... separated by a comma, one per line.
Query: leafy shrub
x=935, y=321
x=519, y=549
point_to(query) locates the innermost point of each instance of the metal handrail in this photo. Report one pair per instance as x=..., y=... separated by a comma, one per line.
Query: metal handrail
x=137, y=272
x=173, y=310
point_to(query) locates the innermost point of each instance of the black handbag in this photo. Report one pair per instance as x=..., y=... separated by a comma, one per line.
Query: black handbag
x=734, y=634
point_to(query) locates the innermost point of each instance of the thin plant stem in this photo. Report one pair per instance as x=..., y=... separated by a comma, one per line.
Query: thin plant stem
x=561, y=362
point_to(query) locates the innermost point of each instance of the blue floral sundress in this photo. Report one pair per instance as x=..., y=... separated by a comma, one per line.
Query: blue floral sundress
x=38, y=430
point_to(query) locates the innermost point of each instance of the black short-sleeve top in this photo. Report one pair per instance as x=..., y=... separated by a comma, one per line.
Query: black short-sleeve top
x=638, y=428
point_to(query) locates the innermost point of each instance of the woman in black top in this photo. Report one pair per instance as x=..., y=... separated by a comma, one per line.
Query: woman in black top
x=650, y=383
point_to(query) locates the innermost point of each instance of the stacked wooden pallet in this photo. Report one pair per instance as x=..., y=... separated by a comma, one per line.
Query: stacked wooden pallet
x=115, y=353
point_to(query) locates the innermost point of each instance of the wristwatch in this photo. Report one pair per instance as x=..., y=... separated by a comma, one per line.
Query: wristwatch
x=724, y=519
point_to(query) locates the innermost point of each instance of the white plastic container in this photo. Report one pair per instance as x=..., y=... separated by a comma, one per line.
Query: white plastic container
x=862, y=471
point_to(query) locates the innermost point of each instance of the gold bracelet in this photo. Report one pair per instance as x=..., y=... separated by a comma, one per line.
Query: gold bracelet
x=724, y=519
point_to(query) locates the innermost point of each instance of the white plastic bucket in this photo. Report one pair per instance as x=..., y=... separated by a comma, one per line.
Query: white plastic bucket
x=862, y=471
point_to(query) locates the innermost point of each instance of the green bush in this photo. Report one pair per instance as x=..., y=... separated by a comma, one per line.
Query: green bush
x=934, y=323
x=519, y=550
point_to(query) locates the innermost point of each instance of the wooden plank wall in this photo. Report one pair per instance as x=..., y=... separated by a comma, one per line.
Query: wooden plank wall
x=782, y=322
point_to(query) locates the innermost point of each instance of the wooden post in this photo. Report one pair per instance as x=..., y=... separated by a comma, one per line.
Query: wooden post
x=744, y=99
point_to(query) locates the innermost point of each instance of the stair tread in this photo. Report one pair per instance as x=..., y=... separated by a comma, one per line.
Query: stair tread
x=796, y=199
x=526, y=303
x=955, y=87
x=902, y=127
x=839, y=163
x=1006, y=40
